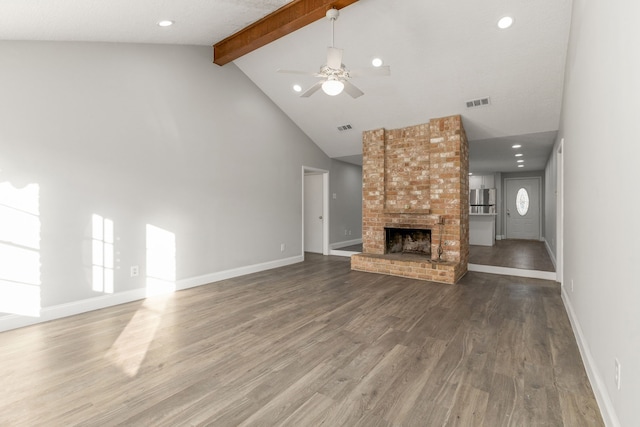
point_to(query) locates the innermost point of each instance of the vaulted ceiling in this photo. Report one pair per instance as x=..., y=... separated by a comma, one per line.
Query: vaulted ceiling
x=442, y=54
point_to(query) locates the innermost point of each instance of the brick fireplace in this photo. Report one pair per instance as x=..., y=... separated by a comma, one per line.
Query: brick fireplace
x=416, y=178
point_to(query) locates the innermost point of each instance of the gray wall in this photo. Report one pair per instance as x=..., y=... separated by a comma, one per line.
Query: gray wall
x=600, y=128
x=147, y=134
x=346, y=209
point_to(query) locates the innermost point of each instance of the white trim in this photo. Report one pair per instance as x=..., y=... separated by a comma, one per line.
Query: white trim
x=325, y=207
x=605, y=404
x=14, y=321
x=338, y=252
x=560, y=210
x=551, y=255
x=507, y=271
x=339, y=245
x=325, y=214
x=235, y=272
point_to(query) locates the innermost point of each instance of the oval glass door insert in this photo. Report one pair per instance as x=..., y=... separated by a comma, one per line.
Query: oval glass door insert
x=522, y=201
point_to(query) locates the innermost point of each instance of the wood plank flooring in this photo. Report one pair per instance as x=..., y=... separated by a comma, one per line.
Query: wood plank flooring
x=307, y=345
x=513, y=253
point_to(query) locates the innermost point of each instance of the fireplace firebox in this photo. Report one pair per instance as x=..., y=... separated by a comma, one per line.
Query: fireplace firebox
x=408, y=240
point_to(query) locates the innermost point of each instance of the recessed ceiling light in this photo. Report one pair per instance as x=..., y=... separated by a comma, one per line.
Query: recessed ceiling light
x=165, y=23
x=297, y=88
x=520, y=161
x=520, y=166
x=505, y=22
x=516, y=146
x=519, y=155
x=470, y=173
x=376, y=62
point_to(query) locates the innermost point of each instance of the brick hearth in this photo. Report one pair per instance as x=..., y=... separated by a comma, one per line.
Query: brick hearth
x=413, y=178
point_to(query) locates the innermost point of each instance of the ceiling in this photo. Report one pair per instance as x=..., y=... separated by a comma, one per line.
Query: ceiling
x=441, y=53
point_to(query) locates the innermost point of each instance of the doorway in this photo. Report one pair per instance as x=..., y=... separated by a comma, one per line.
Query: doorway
x=522, y=205
x=315, y=217
x=560, y=212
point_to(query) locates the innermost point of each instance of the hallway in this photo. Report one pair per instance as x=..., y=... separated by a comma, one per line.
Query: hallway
x=524, y=254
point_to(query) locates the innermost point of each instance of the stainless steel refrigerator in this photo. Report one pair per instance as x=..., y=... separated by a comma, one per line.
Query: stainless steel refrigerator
x=482, y=200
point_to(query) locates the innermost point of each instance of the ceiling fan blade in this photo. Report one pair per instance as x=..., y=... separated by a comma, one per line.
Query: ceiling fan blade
x=305, y=73
x=353, y=91
x=385, y=70
x=313, y=89
x=334, y=58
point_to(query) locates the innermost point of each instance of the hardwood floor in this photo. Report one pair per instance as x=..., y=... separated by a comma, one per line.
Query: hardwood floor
x=525, y=254
x=306, y=345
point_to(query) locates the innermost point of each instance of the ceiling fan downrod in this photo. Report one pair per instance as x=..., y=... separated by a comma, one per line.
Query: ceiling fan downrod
x=333, y=14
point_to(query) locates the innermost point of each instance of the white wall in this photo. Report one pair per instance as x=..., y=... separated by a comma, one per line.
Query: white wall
x=346, y=208
x=601, y=128
x=147, y=134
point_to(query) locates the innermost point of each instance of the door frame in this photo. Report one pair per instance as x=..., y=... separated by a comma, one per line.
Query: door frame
x=560, y=212
x=306, y=170
x=506, y=201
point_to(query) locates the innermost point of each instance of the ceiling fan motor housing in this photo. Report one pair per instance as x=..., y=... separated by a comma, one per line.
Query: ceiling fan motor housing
x=333, y=14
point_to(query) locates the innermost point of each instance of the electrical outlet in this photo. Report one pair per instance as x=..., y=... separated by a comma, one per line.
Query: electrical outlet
x=282, y=247
x=135, y=271
x=334, y=196
x=349, y=232
x=617, y=373
x=345, y=232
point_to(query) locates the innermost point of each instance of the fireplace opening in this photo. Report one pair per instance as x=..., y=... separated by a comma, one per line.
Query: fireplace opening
x=408, y=240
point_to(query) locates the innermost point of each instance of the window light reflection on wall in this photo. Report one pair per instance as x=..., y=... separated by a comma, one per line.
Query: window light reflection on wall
x=102, y=254
x=161, y=261
x=20, y=249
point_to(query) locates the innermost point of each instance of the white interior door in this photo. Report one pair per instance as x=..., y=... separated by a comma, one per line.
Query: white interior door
x=523, y=208
x=313, y=213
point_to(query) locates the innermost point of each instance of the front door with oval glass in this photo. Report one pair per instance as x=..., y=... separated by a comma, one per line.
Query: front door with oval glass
x=523, y=208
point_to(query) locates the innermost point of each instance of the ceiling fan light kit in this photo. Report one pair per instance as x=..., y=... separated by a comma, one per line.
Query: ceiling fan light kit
x=334, y=74
x=332, y=86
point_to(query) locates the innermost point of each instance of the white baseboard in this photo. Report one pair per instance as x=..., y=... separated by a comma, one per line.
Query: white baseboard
x=551, y=255
x=236, y=272
x=599, y=389
x=345, y=243
x=507, y=271
x=338, y=252
x=14, y=321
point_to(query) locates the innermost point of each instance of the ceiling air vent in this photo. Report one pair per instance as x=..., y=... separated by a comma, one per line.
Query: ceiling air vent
x=344, y=127
x=481, y=102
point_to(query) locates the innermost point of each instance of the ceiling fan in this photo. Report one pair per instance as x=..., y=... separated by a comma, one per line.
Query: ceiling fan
x=335, y=76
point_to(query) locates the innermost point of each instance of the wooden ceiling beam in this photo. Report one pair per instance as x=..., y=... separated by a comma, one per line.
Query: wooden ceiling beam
x=283, y=21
